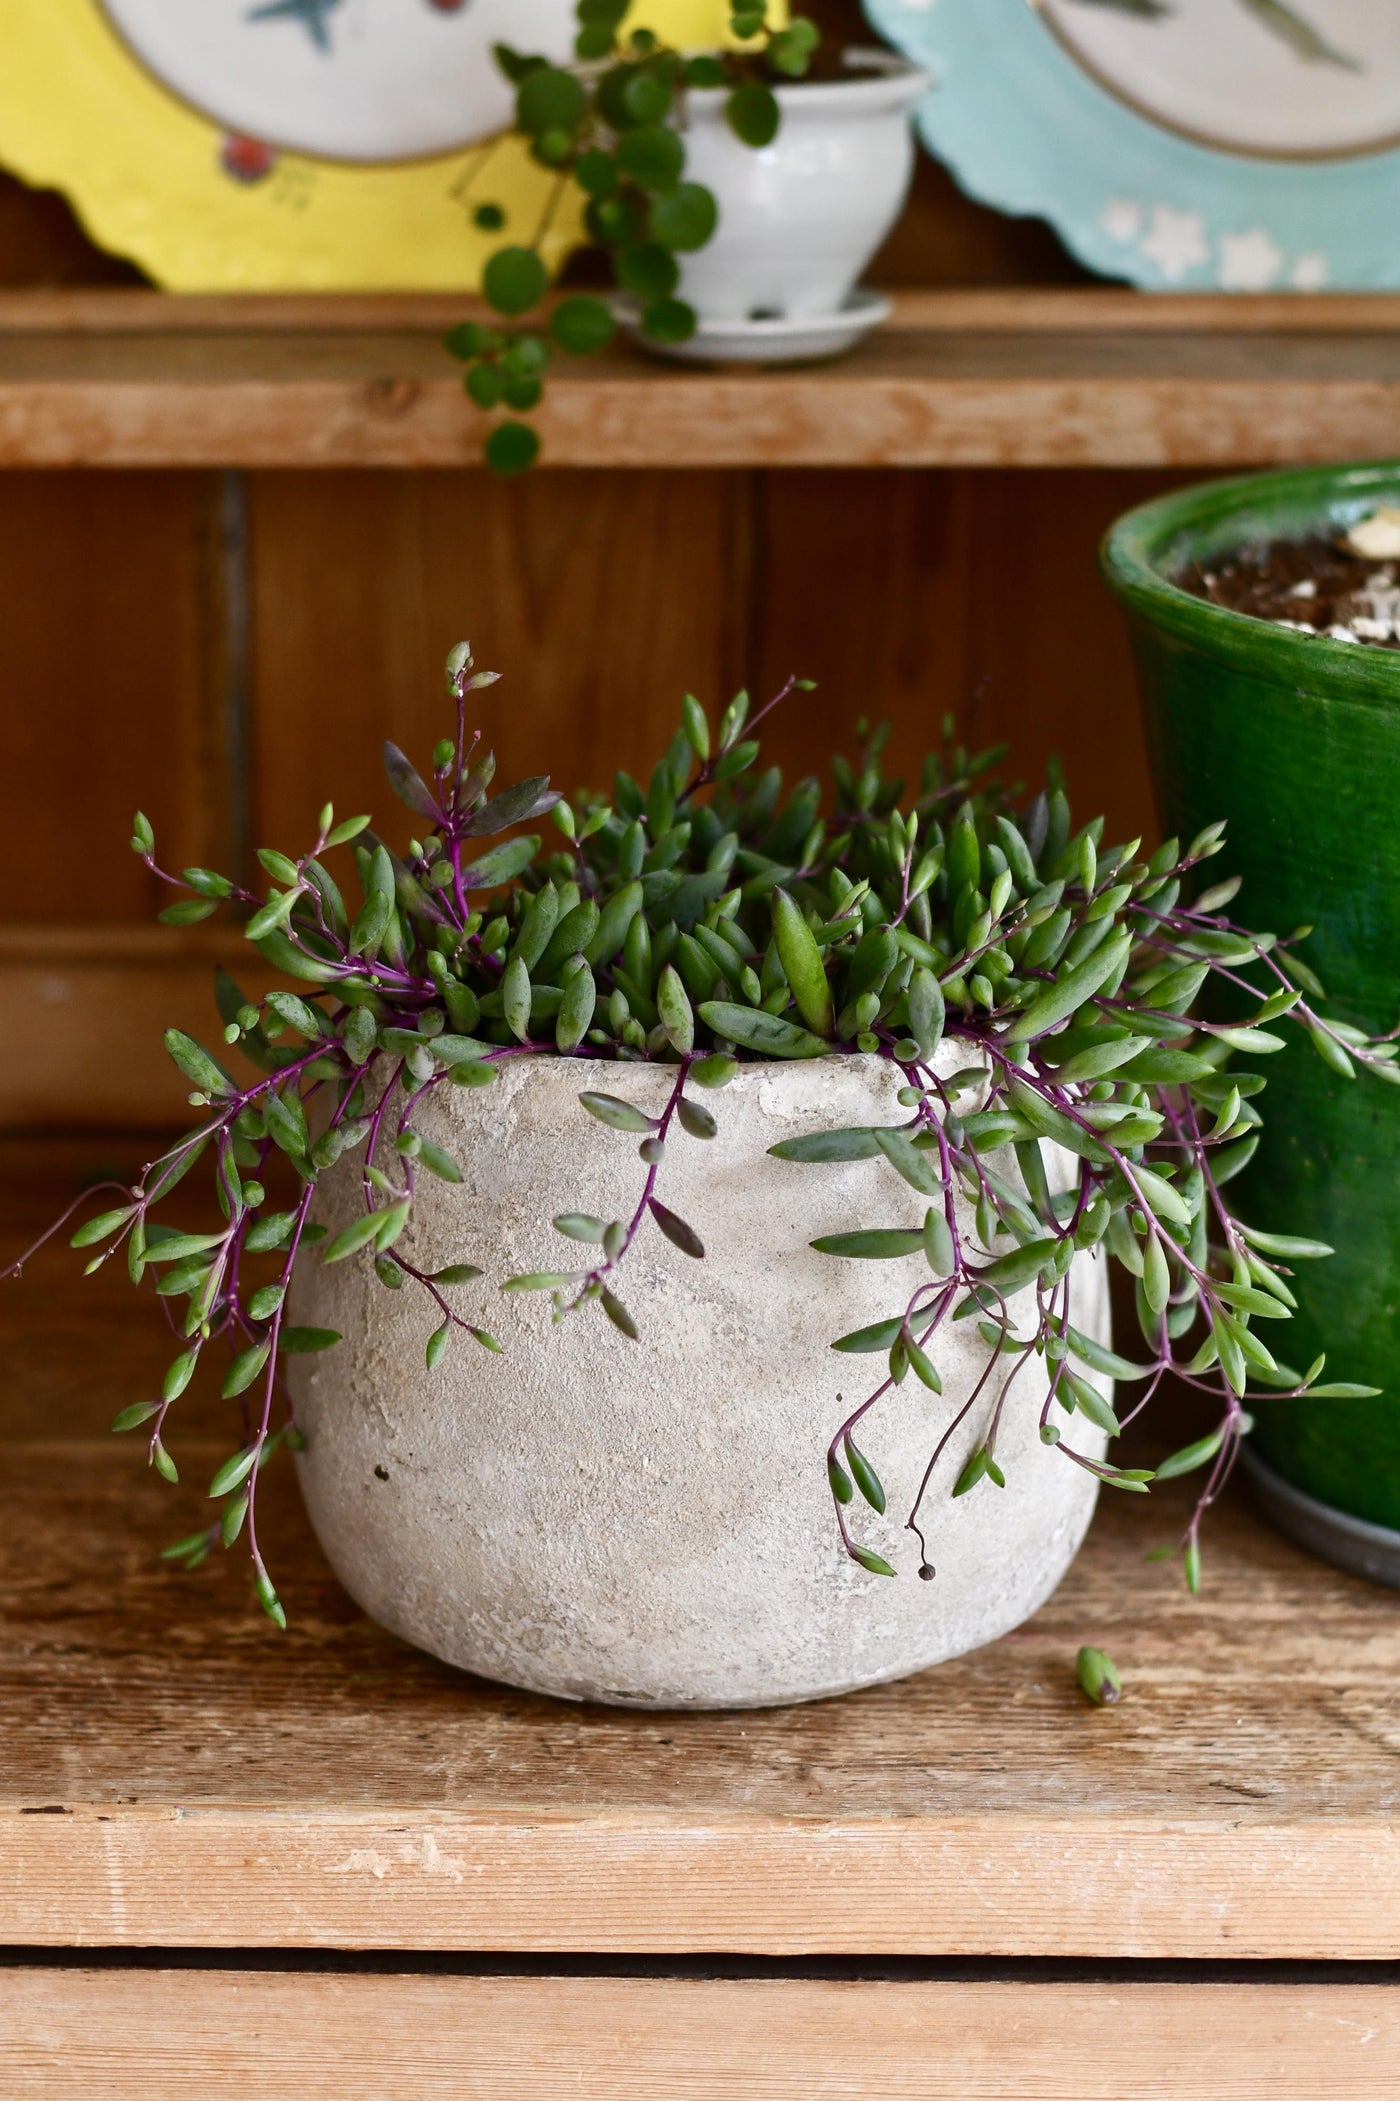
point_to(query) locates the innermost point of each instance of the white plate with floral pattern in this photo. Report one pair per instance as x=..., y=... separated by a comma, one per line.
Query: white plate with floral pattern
x=1249, y=145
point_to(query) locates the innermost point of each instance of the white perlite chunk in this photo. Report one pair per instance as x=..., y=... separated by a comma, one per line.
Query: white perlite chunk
x=1377, y=538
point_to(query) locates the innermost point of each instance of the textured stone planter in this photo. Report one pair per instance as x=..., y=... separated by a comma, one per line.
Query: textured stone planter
x=648, y=1522
x=800, y=219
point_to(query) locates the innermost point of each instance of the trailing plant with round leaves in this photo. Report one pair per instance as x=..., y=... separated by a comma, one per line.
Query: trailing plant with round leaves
x=1032, y=988
x=607, y=127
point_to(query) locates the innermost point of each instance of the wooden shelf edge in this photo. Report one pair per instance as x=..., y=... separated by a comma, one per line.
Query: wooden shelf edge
x=638, y=421
x=300, y=2038
x=1018, y=308
x=1006, y=378
x=636, y=1883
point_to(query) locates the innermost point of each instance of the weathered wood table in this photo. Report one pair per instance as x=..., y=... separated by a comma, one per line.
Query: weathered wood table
x=969, y=1885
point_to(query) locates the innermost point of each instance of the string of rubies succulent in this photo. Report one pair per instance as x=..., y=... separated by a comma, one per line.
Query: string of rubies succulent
x=608, y=127
x=713, y=917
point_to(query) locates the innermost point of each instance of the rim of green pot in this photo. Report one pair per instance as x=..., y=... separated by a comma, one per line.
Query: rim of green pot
x=1142, y=551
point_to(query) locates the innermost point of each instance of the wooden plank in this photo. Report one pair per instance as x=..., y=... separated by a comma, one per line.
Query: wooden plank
x=93, y=1003
x=965, y=379
x=908, y=597
x=601, y=600
x=177, y=1773
x=186, y=2036
x=105, y=622
x=1011, y=308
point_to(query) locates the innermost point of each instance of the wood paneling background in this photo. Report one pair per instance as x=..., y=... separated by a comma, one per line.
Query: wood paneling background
x=228, y=653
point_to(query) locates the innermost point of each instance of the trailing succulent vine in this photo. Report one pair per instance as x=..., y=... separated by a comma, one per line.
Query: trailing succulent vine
x=611, y=127
x=1032, y=988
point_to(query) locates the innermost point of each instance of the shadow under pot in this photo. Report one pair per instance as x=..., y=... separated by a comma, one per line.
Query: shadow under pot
x=1293, y=737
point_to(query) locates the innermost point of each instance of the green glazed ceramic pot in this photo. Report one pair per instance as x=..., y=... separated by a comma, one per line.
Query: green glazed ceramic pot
x=1295, y=740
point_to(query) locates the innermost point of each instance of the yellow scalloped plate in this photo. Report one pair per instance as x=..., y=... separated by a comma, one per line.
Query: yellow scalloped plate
x=153, y=179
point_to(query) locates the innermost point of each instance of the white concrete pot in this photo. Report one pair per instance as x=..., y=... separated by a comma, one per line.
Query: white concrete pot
x=649, y=1523
x=800, y=219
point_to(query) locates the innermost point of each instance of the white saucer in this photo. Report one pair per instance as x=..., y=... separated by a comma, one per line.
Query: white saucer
x=776, y=340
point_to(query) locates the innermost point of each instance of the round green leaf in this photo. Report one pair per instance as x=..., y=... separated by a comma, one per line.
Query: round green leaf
x=468, y=339
x=669, y=321
x=608, y=96
x=790, y=50
x=512, y=448
x=552, y=148
x=685, y=217
x=525, y=356
x=752, y=111
x=514, y=280
x=483, y=383
x=594, y=42
x=647, y=270
x=653, y=155
x=613, y=220
x=645, y=99
x=581, y=325
x=550, y=99
x=596, y=172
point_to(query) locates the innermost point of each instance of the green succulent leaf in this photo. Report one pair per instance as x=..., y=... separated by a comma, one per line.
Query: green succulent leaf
x=305, y=1342
x=767, y=1034
x=871, y=1341
x=874, y=1564
x=620, y=1115
x=823, y=1147
x=864, y=1475
x=874, y=1244
x=803, y=965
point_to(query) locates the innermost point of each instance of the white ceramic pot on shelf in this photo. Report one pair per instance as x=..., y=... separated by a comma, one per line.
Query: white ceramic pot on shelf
x=798, y=219
x=648, y=1523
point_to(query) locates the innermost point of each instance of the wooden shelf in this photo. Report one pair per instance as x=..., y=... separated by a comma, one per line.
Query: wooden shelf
x=188, y=2035
x=967, y=379
x=176, y=1773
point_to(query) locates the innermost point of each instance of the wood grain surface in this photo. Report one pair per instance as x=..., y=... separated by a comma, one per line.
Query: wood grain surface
x=239, y=697
x=176, y=1772
x=92, y=1003
x=181, y=2035
x=103, y=698
x=961, y=379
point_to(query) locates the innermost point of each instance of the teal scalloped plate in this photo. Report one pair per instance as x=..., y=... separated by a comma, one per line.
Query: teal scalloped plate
x=1240, y=145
